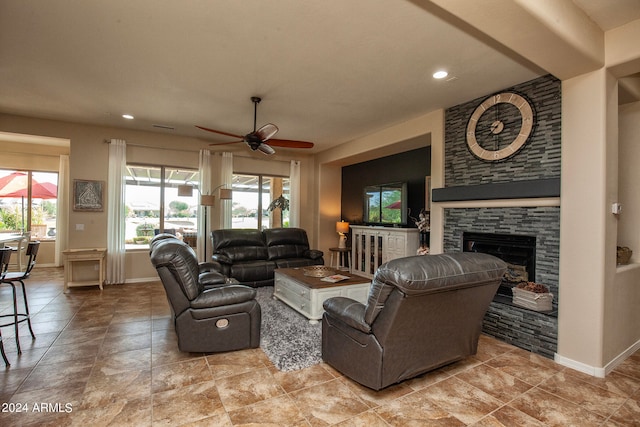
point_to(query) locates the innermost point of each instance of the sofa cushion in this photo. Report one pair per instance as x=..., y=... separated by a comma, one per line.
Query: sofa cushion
x=239, y=244
x=286, y=243
x=252, y=271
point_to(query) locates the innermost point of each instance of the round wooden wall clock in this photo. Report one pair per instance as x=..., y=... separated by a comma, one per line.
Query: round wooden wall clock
x=500, y=126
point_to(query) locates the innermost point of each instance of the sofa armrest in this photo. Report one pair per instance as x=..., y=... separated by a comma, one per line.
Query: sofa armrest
x=227, y=295
x=221, y=258
x=313, y=254
x=208, y=266
x=210, y=278
x=349, y=311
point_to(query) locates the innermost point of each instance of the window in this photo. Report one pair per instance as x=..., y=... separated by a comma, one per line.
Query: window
x=28, y=202
x=260, y=201
x=153, y=206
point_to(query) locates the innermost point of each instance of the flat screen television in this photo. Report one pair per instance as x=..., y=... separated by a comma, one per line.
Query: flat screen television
x=385, y=204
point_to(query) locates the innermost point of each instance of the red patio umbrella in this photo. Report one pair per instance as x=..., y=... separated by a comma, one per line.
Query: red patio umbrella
x=16, y=185
x=395, y=205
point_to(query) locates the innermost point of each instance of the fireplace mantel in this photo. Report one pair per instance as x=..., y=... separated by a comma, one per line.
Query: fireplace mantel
x=536, y=188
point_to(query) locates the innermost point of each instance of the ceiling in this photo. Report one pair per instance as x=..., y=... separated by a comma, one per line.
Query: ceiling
x=327, y=71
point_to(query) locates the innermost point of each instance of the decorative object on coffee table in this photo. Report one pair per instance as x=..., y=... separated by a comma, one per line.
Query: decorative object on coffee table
x=533, y=296
x=318, y=271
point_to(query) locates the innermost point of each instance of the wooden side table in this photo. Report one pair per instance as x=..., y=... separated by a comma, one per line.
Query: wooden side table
x=83, y=255
x=343, y=261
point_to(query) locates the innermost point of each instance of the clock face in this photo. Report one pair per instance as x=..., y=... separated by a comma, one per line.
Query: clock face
x=500, y=126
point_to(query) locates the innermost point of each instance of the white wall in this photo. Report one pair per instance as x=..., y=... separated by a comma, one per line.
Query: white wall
x=629, y=178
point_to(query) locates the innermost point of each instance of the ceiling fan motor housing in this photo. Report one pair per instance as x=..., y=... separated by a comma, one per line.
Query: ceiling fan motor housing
x=253, y=140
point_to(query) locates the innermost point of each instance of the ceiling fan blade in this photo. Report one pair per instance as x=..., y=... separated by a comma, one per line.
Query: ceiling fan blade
x=266, y=131
x=219, y=131
x=225, y=143
x=265, y=149
x=290, y=143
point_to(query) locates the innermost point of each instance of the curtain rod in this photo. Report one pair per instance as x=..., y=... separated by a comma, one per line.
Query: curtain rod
x=131, y=144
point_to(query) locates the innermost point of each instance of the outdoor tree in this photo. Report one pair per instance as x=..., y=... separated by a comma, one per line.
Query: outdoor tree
x=179, y=209
x=10, y=218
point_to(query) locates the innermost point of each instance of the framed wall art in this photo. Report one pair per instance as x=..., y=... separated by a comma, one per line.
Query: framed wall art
x=88, y=195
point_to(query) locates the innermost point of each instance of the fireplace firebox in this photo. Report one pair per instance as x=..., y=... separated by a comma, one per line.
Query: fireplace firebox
x=519, y=252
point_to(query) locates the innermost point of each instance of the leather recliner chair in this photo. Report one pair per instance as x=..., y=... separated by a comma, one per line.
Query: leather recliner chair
x=209, y=272
x=423, y=312
x=221, y=318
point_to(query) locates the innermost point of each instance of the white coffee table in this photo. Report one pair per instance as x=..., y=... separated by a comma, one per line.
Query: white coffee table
x=306, y=294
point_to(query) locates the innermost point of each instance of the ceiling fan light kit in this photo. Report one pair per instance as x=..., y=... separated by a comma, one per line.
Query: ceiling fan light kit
x=260, y=139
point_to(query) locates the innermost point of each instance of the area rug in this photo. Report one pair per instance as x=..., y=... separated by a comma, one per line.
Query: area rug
x=287, y=337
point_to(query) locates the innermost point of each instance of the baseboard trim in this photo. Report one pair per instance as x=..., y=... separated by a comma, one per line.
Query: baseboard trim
x=622, y=357
x=596, y=371
x=579, y=366
x=142, y=280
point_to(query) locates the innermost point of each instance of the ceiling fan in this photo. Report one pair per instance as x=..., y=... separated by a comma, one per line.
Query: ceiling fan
x=261, y=139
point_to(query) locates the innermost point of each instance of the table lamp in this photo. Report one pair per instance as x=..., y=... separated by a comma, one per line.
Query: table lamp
x=342, y=228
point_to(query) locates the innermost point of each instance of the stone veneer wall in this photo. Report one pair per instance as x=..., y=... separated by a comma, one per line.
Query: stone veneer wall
x=541, y=222
x=536, y=332
x=539, y=159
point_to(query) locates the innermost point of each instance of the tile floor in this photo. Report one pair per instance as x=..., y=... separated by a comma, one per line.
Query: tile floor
x=111, y=358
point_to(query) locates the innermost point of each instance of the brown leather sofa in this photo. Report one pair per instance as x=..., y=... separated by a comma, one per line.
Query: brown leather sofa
x=251, y=256
x=220, y=317
x=423, y=312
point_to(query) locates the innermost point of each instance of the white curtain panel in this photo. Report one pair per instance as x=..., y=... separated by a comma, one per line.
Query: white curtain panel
x=226, y=178
x=62, y=213
x=205, y=188
x=115, y=212
x=294, y=194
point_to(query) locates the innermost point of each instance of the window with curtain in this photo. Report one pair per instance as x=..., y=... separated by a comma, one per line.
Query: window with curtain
x=152, y=204
x=28, y=202
x=260, y=201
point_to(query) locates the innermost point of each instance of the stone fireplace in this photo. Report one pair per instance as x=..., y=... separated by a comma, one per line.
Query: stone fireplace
x=531, y=330
x=511, y=209
x=519, y=252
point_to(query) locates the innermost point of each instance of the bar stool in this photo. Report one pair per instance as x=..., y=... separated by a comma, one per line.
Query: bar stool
x=5, y=255
x=20, y=248
x=32, y=252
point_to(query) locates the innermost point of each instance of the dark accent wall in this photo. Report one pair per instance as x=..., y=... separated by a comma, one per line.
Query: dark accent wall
x=411, y=167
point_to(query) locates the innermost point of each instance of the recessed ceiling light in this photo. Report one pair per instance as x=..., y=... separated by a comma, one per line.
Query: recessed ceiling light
x=127, y=116
x=440, y=74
